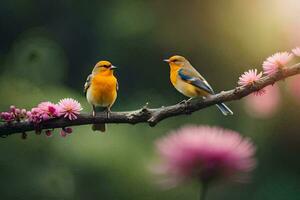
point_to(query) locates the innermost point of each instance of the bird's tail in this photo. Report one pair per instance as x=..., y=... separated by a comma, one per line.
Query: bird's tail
x=99, y=127
x=224, y=109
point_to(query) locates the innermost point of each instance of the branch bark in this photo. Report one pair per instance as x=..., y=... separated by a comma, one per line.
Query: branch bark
x=152, y=116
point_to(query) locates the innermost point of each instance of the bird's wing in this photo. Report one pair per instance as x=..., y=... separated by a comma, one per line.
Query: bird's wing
x=117, y=86
x=194, y=79
x=87, y=83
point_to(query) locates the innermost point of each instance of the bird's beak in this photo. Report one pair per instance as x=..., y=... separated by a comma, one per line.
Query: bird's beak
x=113, y=67
x=166, y=60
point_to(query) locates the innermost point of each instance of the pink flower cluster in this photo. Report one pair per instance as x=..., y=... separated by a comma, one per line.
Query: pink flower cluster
x=44, y=111
x=270, y=66
x=273, y=64
x=14, y=114
x=67, y=108
x=205, y=153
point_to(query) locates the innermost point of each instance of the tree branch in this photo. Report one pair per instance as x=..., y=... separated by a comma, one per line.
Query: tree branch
x=153, y=116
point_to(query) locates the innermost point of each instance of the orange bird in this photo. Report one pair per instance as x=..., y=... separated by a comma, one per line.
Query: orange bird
x=101, y=89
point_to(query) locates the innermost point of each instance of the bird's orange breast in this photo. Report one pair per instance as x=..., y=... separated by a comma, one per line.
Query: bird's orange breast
x=103, y=90
x=174, y=74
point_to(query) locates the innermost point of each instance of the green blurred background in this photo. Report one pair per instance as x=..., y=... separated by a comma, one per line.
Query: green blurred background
x=48, y=48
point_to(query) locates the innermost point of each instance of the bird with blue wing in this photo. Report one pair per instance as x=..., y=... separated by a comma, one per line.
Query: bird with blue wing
x=188, y=81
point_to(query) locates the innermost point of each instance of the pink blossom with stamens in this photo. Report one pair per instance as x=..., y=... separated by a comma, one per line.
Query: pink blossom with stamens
x=296, y=51
x=69, y=108
x=204, y=153
x=48, y=110
x=250, y=77
x=264, y=106
x=276, y=62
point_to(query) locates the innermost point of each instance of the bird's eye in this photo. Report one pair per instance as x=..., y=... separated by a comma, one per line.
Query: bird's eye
x=175, y=60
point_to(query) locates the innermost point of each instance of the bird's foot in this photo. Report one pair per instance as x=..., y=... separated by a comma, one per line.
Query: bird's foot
x=94, y=111
x=190, y=99
x=182, y=102
x=108, y=112
x=186, y=102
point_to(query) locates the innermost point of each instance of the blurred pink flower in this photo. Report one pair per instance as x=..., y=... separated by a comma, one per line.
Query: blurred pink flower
x=263, y=106
x=69, y=108
x=296, y=51
x=293, y=86
x=250, y=77
x=204, y=153
x=276, y=62
x=48, y=110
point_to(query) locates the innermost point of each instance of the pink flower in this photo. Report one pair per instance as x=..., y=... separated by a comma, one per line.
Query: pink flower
x=69, y=108
x=44, y=111
x=250, y=77
x=35, y=115
x=263, y=106
x=296, y=51
x=14, y=114
x=204, y=153
x=48, y=110
x=276, y=62
x=7, y=116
